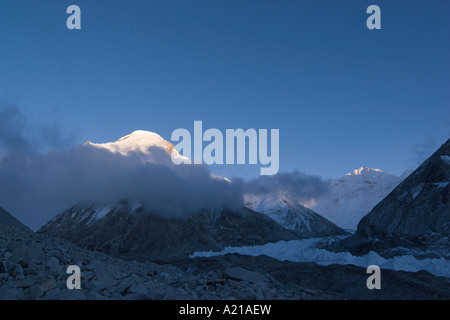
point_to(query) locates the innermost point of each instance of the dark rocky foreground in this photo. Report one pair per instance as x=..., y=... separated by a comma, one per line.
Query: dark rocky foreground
x=312, y=281
x=33, y=266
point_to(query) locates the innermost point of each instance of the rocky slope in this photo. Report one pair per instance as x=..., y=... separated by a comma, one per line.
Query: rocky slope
x=33, y=266
x=416, y=214
x=131, y=232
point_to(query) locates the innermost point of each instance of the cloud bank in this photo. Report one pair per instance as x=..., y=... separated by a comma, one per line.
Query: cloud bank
x=36, y=185
x=42, y=174
x=296, y=187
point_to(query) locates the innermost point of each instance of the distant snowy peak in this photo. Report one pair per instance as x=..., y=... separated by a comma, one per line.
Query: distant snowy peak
x=352, y=196
x=364, y=171
x=139, y=141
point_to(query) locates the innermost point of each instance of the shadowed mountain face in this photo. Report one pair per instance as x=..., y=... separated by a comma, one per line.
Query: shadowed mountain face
x=134, y=233
x=416, y=214
x=12, y=226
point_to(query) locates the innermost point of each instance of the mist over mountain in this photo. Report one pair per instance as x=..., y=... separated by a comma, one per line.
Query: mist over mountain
x=127, y=199
x=36, y=186
x=19, y=136
x=42, y=174
x=171, y=221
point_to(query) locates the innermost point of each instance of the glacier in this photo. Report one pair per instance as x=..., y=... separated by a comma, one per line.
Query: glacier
x=308, y=250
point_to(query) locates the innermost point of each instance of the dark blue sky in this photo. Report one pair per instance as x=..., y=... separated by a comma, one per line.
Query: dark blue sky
x=342, y=96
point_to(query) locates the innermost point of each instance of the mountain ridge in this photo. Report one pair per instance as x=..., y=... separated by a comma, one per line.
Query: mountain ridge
x=136, y=233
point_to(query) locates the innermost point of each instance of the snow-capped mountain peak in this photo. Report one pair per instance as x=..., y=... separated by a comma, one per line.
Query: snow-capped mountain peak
x=364, y=171
x=139, y=141
x=350, y=197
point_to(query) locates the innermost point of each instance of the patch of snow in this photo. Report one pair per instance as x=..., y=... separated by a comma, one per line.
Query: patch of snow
x=440, y=185
x=100, y=213
x=307, y=251
x=363, y=170
x=95, y=214
x=290, y=216
x=446, y=159
x=416, y=191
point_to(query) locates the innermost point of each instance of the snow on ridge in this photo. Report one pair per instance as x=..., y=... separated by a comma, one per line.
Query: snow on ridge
x=138, y=141
x=141, y=133
x=279, y=209
x=102, y=212
x=440, y=185
x=362, y=170
x=307, y=251
x=446, y=159
x=416, y=191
